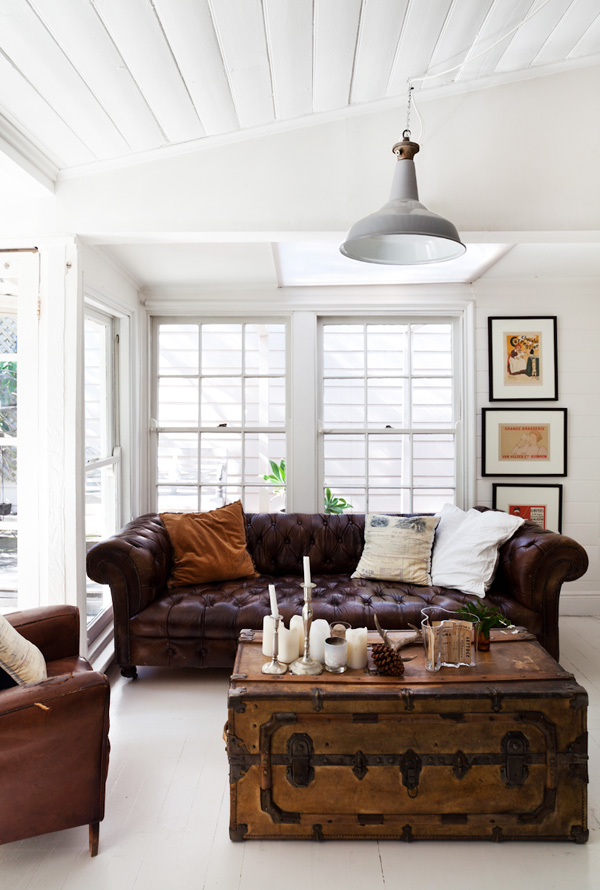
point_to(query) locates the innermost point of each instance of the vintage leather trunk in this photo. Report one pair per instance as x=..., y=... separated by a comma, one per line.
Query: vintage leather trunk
x=497, y=751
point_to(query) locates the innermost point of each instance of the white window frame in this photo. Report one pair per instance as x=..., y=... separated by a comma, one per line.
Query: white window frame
x=112, y=458
x=304, y=448
x=154, y=427
x=98, y=635
x=457, y=394
x=24, y=265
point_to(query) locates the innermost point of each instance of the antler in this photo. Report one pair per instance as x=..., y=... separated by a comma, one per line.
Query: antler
x=406, y=639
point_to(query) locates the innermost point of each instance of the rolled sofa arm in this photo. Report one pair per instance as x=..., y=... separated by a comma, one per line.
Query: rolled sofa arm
x=532, y=567
x=135, y=563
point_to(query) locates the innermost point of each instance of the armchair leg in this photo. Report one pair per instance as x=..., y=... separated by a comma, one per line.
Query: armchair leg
x=129, y=671
x=94, y=838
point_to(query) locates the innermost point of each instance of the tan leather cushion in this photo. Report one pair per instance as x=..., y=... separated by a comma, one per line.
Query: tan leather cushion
x=208, y=546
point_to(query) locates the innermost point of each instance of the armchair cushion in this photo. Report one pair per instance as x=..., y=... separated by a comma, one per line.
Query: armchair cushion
x=208, y=546
x=20, y=660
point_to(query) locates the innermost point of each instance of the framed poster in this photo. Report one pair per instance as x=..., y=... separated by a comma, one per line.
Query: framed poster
x=523, y=361
x=539, y=503
x=524, y=442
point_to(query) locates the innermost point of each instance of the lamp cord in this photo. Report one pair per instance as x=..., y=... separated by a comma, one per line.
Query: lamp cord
x=422, y=77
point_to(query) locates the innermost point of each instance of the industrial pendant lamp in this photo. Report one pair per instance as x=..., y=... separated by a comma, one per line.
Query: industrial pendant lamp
x=404, y=231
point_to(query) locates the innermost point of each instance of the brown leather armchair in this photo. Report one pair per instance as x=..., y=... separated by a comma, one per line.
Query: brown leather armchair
x=54, y=735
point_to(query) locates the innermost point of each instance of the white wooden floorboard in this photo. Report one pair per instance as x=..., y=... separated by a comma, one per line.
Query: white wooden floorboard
x=167, y=811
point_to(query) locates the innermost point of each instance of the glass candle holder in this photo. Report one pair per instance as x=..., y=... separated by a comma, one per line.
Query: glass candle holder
x=339, y=628
x=336, y=655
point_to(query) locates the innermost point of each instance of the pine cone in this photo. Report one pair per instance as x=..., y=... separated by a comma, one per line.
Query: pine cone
x=387, y=661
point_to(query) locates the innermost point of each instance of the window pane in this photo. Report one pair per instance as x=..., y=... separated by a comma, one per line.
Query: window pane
x=211, y=498
x=386, y=345
x=221, y=349
x=265, y=348
x=344, y=403
x=220, y=459
x=221, y=401
x=8, y=455
x=344, y=461
x=385, y=402
x=8, y=563
x=265, y=401
x=8, y=335
x=432, y=501
x=432, y=348
x=177, y=401
x=389, y=460
x=432, y=402
x=263, y=500
x=177, y=457
x=100, y=522
x=177, y=498
x=95, y=387
x=343, y=350
x=260, y=449
x=389, y=500
x=8, y=398
x=178, y=349
x=433, y=460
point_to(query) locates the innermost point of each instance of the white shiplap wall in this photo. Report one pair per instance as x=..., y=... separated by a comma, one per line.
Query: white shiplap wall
x=575, y=303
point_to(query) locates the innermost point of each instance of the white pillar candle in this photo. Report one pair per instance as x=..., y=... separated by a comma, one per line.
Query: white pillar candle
x=268, y=628
x=297, y=622
x=288, y=644
x=273, y=597
x=306, y=562
x=319, y=631
x=357, y=648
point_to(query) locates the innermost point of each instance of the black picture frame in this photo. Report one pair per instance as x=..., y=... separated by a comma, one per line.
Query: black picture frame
x=523, y=498
x=524, y=442
x=535, y=362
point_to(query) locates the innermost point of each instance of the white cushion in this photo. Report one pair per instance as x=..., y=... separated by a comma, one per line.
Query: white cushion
x=18, y=657
x=465, y=550
x=397, y=548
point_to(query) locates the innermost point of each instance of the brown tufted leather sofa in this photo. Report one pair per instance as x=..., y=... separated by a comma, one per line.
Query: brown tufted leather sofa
x=198, y=626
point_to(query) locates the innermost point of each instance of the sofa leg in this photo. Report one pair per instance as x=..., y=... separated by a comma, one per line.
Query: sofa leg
x=94, y=838
x=129, y=671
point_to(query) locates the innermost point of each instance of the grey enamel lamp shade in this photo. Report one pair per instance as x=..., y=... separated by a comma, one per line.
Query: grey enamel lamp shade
x=404, y=231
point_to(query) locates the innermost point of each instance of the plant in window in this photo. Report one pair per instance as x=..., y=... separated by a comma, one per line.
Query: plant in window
x=335, y=504
x=277, y=475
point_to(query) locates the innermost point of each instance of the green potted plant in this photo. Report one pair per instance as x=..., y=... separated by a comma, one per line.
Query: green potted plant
x=277, y=475
x=334, y=504
x=484, y=617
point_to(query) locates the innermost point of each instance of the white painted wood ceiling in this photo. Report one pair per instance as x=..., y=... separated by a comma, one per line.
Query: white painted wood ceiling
x=87, y=81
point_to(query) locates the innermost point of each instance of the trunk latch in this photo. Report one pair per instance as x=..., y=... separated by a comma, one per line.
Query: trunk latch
x=515, y=748
x=300, y=771
x=410, y=767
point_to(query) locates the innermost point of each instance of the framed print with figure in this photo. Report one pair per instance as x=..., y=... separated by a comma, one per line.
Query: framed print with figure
x=539, y=503
x=523, y=361
x=524, y=442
